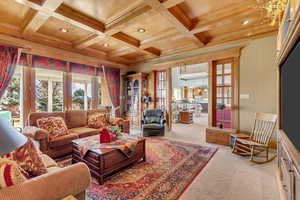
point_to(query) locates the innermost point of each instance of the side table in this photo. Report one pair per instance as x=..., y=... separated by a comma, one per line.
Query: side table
x=218, y=135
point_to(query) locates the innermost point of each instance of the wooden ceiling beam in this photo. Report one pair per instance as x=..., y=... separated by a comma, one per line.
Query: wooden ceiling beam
x=90, y=40
x=182, y=28
x=57, y=53
x=128, y=19
x=171, y=3
x=39, y=18
x=121, y=52
x=75, y=18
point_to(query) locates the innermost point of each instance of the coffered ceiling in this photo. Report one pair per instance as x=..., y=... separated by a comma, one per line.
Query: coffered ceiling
x=133, y=31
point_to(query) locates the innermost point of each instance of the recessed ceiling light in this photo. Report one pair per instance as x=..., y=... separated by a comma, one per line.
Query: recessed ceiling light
x=106, y=44
x=141, y=30
x=64, y=30
x=245, y=22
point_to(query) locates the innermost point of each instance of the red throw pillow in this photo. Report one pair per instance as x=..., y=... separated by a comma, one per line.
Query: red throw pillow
x=28, y=158
x=56, y=126
x=11, y=173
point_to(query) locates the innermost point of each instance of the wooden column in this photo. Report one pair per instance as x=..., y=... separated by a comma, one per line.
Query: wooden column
x=211, y=93
x=95, y=89
x=28, y=99
x=67, y=79
x=236, y=93
x=169, y=98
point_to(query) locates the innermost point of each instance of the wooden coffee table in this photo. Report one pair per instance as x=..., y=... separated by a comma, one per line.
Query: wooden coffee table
x=106, y=161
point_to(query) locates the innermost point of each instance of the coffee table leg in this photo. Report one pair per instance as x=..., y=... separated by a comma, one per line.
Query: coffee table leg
x=101, y=180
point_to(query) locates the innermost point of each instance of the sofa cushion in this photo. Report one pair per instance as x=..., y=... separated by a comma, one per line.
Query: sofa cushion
x=63, y=140
x=28, y=157
x=33, y=117
x=76, y=118
x=11, y=173
x=85, y=131
x=48, y=162
x=55, y=126
x=153, y=126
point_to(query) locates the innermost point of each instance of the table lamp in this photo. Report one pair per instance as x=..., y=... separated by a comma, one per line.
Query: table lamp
x=10, y=138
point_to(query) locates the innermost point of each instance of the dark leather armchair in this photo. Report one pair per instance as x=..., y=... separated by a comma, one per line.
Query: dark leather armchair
x=153, y=122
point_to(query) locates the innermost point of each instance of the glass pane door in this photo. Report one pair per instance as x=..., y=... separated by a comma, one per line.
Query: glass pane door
x=223, y=94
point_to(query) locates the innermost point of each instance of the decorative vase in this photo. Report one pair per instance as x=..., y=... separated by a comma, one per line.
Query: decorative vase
x=105, y=136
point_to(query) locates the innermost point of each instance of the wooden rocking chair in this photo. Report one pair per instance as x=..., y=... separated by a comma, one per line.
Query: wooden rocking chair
x=259, y=140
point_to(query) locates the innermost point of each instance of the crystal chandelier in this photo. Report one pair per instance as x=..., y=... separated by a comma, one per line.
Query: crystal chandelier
x=275, y=9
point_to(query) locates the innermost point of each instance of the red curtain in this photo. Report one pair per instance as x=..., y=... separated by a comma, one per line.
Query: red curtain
x=112, y=77
x=8, y=63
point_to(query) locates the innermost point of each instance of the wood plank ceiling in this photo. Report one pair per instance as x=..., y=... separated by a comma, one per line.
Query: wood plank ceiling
x=133, y=31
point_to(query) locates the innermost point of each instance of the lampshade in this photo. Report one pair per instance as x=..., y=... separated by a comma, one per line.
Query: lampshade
x=10, y=138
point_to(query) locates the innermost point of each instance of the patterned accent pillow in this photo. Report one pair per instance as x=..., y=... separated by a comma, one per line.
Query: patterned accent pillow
x=97, y=120
x=28, y=158
x=11, y=173
x=56, y=126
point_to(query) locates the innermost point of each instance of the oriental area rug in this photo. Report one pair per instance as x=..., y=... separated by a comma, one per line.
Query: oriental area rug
x=170, y=167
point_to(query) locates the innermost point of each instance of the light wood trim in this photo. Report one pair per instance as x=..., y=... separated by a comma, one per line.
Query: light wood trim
x=157, y=6
x=232, y=52
x=290, y=39
x=52, y=52
x=67, y=81
x=163, y=60
x=236, y=93
x=40, y=18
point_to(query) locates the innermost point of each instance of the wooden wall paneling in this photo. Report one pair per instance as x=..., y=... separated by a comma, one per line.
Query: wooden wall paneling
x=67, y=81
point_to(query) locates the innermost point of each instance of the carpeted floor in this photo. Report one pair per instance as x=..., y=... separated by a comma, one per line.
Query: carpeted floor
x=170, y=168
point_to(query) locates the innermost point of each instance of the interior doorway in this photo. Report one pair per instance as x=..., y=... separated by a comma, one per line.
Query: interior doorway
x=190, y=95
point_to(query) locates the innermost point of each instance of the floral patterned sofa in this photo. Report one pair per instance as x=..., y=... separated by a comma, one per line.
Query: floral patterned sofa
x=77, y=125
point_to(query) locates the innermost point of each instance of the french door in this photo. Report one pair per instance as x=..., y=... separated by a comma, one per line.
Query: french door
x=223, y=92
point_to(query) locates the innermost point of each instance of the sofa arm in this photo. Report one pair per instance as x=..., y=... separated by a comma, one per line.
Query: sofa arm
x=39, y=135
x=56, y=185
x=36, y=133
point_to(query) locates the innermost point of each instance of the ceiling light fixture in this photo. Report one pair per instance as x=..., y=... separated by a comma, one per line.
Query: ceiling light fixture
x=106, y=44
x=141, y=30
x=245, y=22
x=64, y=30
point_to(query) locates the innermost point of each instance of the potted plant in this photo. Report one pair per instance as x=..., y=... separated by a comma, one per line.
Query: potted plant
x=221, y=107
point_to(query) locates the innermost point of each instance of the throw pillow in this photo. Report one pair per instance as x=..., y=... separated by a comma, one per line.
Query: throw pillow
x=11, y=173
x=28, y=158
x=55, y=126
x=96, y=121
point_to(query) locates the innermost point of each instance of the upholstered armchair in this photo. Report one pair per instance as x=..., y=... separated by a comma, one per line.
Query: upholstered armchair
x=153, y=122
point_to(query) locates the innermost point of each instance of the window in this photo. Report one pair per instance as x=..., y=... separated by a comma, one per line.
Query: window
x=10, y=103
x=81, y=92
x=223, y=74
x=161, y=89
x=49, y=90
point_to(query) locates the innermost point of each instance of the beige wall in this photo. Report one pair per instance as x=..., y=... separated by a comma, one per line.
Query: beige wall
x=258, y=79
